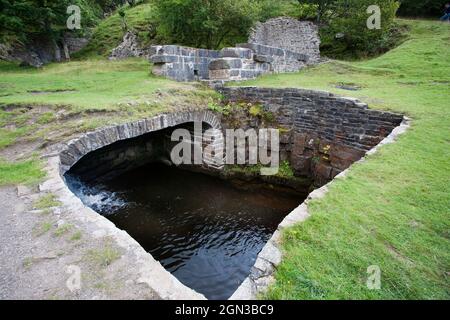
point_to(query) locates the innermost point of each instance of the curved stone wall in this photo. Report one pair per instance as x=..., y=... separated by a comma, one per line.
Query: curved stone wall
x=92, y=141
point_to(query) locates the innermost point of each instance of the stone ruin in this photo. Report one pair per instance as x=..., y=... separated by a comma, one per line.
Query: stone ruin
x=278, y=45
x=289, y=34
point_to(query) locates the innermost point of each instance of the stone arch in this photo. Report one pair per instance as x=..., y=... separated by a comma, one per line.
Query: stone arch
x=91, y=141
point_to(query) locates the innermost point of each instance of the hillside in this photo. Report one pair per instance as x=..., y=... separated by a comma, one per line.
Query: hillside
x=109, y=33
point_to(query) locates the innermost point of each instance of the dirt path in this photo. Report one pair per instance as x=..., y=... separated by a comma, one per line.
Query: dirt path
x=41, y=251
x=13, y=236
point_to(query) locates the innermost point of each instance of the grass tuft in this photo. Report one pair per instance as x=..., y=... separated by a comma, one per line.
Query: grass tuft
x=76, y=236
x=105, y=256
x=45, y=202
x=42, y=228
x=62, y=230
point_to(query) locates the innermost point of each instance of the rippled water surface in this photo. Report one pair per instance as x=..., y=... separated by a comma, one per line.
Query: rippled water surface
x=202, y=229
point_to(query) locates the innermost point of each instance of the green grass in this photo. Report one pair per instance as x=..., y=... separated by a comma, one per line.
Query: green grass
x=62, y=230
x=76, y=236
x=20, y=172
x=52, y=104
x=46, y=201
x=103, y=257
x=8, y=136
x=58, y=101
x=94, y=84
x=394, y=209
x=42, y=228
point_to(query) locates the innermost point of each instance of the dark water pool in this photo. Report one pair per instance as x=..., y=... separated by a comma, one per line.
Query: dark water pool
x=202, y=229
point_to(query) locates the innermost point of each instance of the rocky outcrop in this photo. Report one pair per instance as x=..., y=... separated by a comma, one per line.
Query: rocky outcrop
x=41, y=50
x=19, y=53
x=129, y=47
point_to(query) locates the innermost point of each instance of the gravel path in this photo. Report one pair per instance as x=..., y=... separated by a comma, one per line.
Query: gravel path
x=36, y=252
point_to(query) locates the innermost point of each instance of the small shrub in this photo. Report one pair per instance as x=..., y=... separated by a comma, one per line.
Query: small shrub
x=222, y=109
x=285, y=170
x=255, y=110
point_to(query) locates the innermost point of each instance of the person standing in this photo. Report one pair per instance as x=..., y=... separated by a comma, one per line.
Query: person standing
x=446, y=16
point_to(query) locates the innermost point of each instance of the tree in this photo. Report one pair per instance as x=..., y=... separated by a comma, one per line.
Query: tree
x=421, y=8
x=206, y=23
x=25, y=21
x=324, y=7
x=9, y=21
x=349, y=21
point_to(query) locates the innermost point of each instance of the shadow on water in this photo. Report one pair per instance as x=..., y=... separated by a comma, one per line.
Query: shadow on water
x=202, y=229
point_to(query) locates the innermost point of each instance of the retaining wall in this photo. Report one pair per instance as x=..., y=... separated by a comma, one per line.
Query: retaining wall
x=321, y=134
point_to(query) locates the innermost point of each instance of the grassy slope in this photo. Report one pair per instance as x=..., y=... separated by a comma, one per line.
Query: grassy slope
x=108, y=34
x=93, y=84
x=393, y=210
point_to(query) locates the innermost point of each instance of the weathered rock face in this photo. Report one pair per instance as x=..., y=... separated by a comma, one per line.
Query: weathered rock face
x=20, y=54
x=42, y=50
x=130, y=47
x=76, y=44
x=290, y=34
x=320, y=134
